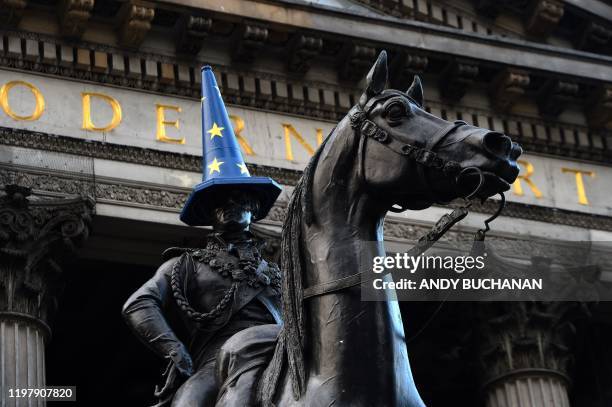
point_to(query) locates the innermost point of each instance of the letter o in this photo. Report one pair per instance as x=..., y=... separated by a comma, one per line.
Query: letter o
x=4, y=102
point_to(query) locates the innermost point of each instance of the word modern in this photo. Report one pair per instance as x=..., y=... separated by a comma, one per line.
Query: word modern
x=124, y=115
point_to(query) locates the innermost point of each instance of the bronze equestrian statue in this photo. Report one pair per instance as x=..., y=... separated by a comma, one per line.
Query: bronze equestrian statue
x=334, y=349
x=201, y=297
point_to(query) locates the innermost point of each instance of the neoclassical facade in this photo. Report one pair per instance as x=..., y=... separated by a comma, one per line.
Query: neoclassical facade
x=100, y=146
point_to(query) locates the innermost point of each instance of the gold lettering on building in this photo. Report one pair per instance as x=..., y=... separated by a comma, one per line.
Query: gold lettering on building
x=39, y=108
x=113, y=103
x=238, y=128
x=582, y=197
x=517, y=187
x=162, y=123
x=291, y=131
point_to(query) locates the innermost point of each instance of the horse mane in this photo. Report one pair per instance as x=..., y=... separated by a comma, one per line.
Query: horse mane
x=288, y=353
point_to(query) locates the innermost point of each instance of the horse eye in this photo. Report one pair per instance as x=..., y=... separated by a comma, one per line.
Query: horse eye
x=396, y=111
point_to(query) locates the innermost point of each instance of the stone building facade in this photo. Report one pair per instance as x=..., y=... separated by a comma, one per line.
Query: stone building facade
x=100, y=145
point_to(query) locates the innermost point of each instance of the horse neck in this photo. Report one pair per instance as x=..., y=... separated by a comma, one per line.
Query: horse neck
x=347, y=220
x=346, y=232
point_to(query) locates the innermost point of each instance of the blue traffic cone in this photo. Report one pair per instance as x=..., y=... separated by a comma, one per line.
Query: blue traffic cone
x=224, y=168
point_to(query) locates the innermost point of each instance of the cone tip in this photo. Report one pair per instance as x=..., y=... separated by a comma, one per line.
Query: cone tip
x=206, y=68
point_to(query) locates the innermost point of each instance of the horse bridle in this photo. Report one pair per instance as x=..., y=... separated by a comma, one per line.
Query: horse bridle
x=427, y=159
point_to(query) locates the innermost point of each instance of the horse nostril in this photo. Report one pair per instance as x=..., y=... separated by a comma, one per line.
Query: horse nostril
x=497, y=144
x=516, y=151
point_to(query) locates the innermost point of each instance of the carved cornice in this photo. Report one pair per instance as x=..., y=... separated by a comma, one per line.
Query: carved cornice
x=276, y=92
x=439, y=13
x=160, y=197
x=36, y=235
x=136, y=155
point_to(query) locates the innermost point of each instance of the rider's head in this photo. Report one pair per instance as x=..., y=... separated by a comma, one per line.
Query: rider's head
x=233, y=212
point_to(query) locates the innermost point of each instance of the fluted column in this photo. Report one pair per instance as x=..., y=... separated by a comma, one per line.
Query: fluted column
x=36, y=236
x=525, y=349
x=529, y=389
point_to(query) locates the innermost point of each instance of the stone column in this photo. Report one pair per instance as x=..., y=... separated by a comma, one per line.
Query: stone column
x=36, y=235
x=525, y=351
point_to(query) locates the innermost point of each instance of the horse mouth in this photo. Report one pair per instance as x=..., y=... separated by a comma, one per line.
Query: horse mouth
x=480, y=184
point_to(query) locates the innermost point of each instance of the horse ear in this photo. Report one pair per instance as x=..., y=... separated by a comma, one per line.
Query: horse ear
x=415, y=91
x=377, y=77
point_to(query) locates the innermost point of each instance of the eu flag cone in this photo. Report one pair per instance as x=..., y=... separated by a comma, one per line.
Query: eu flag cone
x=224, y=168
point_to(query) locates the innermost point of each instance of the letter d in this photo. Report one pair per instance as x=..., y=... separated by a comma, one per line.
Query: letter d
x=114, y=104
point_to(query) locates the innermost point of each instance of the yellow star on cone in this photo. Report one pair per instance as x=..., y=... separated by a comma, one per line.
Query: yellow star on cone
x=215, y=131
x=214, y=166
x=243, y=168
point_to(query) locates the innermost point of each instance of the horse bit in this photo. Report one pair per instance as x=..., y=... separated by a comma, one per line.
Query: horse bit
x=427, y=159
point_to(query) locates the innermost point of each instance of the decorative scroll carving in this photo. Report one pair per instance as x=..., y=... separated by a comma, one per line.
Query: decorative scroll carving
x=555, y=95
x=302, y=49
x=36, y=234
x=599, y=107
x=73, y=17
x=594, y=37
x=249, y=39
x=456, y=78
x=190, y=34
x=355, y=60
x=404, y=66
x=507, y=87
x=11, y=12
x=134, y=23
x=545, y=15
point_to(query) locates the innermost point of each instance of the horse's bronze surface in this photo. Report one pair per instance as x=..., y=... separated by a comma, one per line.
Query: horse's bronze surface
x=388, y=153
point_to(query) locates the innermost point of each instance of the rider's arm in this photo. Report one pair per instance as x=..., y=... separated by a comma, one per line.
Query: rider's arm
x=143, y=312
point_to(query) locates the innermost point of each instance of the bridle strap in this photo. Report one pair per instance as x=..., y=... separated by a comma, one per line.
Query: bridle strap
x=445, y=131
x=423, y=156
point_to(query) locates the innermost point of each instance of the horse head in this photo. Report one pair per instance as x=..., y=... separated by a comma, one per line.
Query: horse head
x=451, y=159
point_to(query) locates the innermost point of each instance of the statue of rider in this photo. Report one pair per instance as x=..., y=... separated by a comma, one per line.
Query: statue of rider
x=200, y=297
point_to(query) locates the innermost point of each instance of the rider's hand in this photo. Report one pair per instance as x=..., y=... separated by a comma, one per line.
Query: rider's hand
x=182, y=360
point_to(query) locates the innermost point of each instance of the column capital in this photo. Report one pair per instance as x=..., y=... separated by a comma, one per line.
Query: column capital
x=36, y=234
x=526, y=336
